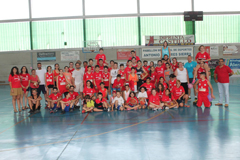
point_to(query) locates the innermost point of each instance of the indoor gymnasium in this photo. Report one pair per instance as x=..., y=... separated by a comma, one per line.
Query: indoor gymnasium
x=119, y=80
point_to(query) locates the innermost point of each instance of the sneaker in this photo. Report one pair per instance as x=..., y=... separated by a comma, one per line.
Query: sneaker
x=83, y=111
x=63, y=112
x=195, y=98
x=55, y=110
x=71, y=110
x=154, y=109
x=31, y=111
x=166, y=107
x=108, y=109
x=189, y=98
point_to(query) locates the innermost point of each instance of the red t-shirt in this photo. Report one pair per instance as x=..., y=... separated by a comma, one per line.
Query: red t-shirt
x=203, y=86
x=174, y=67
x=73, y=95
x=98, y=101
x=160, y=94
x=127, y=71
x=66, y=100
x=34, y=79
x=88, y=91
x=154, y=99
x=117, y=83
x=106, y=77
x=100, y=56
x=86, y=70
x=122, y=74
x=166, y=98
x=135, y=65
x=165, y=85
x=137, y=58
x=98, y=78
x=148, y=71
x=172, y=84
x=149, y=88
x=223, y=73
x=49, y=78
x=61, y=82
x=15, y=80
x=200, y=70
x=88, y=76
x=25, y=79
x=153, y=77
x=204, y=56
x=104, y=92
x=160, y=71
x=101, y=69
x=129, y=98
x=71, y=70
x=55, y=97
x=109, y=69
x=177, y=92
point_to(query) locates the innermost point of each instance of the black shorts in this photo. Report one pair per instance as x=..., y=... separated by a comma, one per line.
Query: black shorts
x=180, y=101
x=55, y=83
x=41, y=88
x=139, y=83
x=50, y=86
x=190, y=80
x=185, y=86
x=106, y=87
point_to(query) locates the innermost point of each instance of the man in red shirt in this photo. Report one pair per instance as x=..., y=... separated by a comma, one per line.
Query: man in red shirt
x=97, y=78
x=67, y=103
x=221, y=77
x=53, y=100
x=160, y=70
x=133, y=53
x=102, y=56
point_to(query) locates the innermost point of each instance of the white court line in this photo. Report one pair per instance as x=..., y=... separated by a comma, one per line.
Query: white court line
x=5, y=99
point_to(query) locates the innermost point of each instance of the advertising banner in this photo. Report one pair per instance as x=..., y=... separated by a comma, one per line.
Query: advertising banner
x=212, y=50
x=234, y=64
x=213, y=63
x=172, y=40
x=124, y=54
x=175, y=52
x=70, y=55
x=231, y=50
x=46, y=56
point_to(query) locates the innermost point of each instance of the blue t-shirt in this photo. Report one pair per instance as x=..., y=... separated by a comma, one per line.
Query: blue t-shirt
x=189, y=67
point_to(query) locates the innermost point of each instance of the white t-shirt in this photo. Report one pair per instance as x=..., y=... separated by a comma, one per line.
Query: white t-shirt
x=120, y=100
x=114, y=73
x=142, y=95
x=41, y=76
x=182, y=75
x=78, y=75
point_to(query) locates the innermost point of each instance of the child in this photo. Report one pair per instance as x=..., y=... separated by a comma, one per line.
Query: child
x=117, y=84
x=134, y=78
x=168, y=101
x=203, y=90
x=160, y=91
x=68, y=77
x=114, y=94
x=121, y=71
x=167, y=72
x=61, y=82
x=88, y=90
x=149, y=86
x=161, y=81
x=142, y=97
x=34, y=81
x=118, y=102
x=154, y=101
x=34, y=101
x=129, y=106
x=103, y=90
x=126, y=93
x=101, y=104
x=106, y=79
x=53, y=100
x=179, y=95
x=75, y=97
x=89, y=104
x=172, y=82
x=153, y=75
x=97, y=78
x=49, y=80
x=67, y=103
x=88, y=75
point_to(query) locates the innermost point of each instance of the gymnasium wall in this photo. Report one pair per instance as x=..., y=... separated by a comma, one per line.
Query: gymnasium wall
x=10, y=59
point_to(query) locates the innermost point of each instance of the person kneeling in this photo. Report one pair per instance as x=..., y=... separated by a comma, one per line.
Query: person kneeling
x=54, y=100
x=89, y=104
x=154, y=101
x=101, y=104
x=132, y=102
x=67, y=103
x=34, y=102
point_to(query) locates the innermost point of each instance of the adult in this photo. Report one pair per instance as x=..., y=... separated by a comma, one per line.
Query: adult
x=190, y=66
x=41, y=75
x=182, y=74
x=133, y=54
x=165, y=50
x=102, y=56
x=16, y=88
x=221, y=77
x=77, y=79
x=55, y=73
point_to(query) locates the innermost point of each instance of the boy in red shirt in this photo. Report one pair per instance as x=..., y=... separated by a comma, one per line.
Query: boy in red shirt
x=102, y=56
x=103, y=90
x=101, y=104
x=97, y=78
x=53, y=100
x=75, y=97
x=90, y=61
x=118, y=84
x=146, y=67
x=121, y=71
x=203, y=90
x=88, y=75
x=127, y=71
x=101, y=66
x=67, y=103
x=106, y=78
x=160, y=70
x=172, y=82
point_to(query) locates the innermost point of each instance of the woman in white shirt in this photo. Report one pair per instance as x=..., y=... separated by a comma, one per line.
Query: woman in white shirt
x=182, y=74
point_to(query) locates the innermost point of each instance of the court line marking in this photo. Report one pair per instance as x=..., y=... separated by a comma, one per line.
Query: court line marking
x=85, y=136
x=73, y=136
x=170, y=114
x=229, y=110
x=5, y=99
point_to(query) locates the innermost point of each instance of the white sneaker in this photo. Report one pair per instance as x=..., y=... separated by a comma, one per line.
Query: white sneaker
x=108, y=109
x=154, y=109
x=166, y=107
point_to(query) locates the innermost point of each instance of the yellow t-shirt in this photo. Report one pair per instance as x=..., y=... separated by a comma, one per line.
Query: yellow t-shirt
x=90, y=104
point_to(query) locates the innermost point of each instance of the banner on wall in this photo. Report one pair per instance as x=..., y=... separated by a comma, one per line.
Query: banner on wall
x=124, y=54
x=46, y=56
x=172, y=40
x=70, y=55
x=175, y=52
x=231, y=49
x=234, y=64
x=212, y=50
x=213, y=63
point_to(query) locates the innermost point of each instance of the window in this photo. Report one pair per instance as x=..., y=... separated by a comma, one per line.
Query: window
x=218, y=29
x=14, y=9
x=56, y=8
x=164, y=25
x=14, y=36
x=165, y=6
x=101, y=7
x=113, y=31
x=54, y=34
x=216, y=5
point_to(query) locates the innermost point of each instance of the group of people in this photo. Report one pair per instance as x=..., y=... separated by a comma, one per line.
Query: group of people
x=106, y=87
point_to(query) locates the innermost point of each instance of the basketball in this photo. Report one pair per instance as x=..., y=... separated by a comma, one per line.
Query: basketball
x=142, y=102
x=133, y=101
x=190, y=85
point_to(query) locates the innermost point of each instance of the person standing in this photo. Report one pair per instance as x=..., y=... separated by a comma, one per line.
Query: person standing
x=165, y=50
x=190, y=66
x=182, y=75
x=41, y=75
x=133, y=53
x=102, y=56
x=16, y=88
x=221, y=77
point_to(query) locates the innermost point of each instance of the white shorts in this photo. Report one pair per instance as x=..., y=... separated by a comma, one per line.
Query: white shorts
x=79, y=87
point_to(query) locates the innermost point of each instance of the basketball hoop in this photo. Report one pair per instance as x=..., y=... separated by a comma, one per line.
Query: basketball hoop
x=92, y=46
